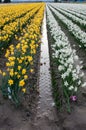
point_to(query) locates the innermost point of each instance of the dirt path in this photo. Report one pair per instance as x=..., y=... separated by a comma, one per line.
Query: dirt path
x=46, y=118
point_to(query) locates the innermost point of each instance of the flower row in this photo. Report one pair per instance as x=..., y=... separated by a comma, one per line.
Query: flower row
x=65, y=59
x=20, y=59
x=72, y=17
x=83, y=17
x=77, y=9
x=73, y=28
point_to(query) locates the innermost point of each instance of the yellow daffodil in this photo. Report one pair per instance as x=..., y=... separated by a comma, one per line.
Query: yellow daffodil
x=31, y=70
x=23, y=71
x=25, y=77
x=21, y=83
x=18, y=76
x=10, y=82
x=19, y=67
x=24, y=90
x=4, y=73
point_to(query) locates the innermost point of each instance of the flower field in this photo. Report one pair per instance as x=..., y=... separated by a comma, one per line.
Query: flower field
x=43, y=59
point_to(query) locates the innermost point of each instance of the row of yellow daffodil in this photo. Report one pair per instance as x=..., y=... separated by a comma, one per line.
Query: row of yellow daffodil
x=20, y=59
x=9, y=30
x=8, y=13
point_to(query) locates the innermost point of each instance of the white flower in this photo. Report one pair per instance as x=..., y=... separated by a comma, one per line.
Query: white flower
x=9, y=91
x=66, y=83
x=63, y=76
x=75, y=76
x=79, y=82
x=84, y=85
x=81, y=62
x=78, y=69
x=71, y=88
x=75, y=89
x=76, y=57
x=60, y=68
x=82, y=74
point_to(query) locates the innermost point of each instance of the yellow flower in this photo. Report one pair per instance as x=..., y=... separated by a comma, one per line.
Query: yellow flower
x=11, y=58
x=7, y=53
x=23, y=71
x=30, y=58
x=7, y=64
x=4, y=74
x=18, y=45
x=32, y=41
x=23, y=90
x=31, y=70
x=12, y=53
x=21, y=83
x=23, y=49
x=10, y=82
x=23, y=41
x=19, y=67
x=25, y=76
x=16, y=73
x=20, y=61
x=11, y=72
x=12, y=63
x=34, y=51
x=26, y=35
x=18, y=76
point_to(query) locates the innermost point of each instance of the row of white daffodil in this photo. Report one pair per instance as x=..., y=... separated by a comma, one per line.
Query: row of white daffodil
x=73, y=28
x=73, y=12
x=74, y=18
x=79, y=13
x=77, y=9
x=80, y=10
x=65, y=59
